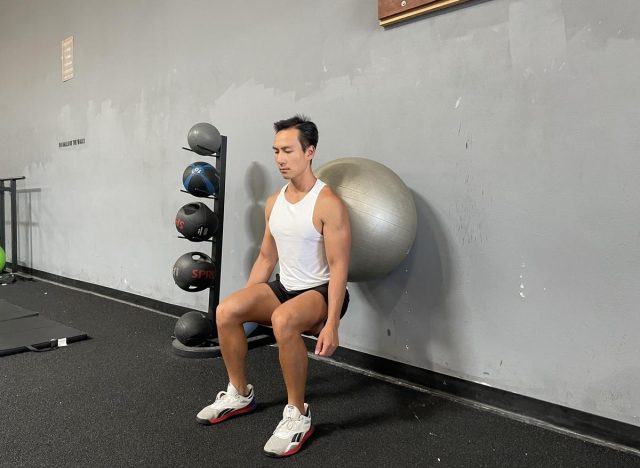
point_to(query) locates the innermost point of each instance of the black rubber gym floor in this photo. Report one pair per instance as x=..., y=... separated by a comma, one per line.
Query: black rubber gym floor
x=123, y=398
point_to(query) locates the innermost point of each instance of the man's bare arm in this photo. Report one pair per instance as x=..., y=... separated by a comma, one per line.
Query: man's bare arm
x=337, y=242
x=268, y=256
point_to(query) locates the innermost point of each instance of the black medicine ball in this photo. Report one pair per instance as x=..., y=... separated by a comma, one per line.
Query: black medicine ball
x=196, y=222
x=201, y=179
x=194, y=271
x=193, y=328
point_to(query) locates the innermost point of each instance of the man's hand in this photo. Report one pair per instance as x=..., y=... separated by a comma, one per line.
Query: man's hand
x=327, y=341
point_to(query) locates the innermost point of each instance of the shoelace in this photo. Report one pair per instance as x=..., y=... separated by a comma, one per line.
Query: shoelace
x=221, y=397
x=288, y=422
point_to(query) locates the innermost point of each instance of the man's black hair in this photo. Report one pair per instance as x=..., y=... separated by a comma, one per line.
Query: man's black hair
x=308, y=132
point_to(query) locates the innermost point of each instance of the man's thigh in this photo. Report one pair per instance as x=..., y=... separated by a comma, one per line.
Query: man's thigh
x=255, y=303
x=305, y=313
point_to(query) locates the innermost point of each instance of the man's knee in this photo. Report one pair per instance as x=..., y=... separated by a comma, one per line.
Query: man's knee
x=228, y=313
x=283, y=323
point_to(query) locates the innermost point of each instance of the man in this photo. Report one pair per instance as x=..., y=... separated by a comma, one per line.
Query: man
x=307, y=230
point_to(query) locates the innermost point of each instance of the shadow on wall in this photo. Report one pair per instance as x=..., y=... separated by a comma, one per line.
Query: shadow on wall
x=411, y=302
x=256, y=180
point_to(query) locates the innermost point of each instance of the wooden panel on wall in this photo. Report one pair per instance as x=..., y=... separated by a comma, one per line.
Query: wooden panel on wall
x=394, y=11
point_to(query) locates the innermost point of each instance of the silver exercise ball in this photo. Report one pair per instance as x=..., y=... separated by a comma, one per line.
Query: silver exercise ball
x=381, y=210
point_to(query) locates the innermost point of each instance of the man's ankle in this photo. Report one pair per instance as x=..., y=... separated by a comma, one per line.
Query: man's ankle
x=300, y=408
x=243, y=390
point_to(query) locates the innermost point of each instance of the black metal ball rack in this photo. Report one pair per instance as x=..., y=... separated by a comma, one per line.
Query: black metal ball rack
x=6, y=277
x=211, y=347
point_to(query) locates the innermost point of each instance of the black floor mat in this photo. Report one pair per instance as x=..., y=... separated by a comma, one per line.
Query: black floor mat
x=23, y=330
x=10, y=311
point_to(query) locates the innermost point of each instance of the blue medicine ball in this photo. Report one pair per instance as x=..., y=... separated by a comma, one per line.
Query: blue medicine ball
x=201, y=179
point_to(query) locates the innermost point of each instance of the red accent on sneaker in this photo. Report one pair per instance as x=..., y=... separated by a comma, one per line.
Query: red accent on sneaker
x=297, y=448
x=247, y=409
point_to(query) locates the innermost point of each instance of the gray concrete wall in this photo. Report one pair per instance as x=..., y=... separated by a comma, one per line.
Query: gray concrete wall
x=514, y=122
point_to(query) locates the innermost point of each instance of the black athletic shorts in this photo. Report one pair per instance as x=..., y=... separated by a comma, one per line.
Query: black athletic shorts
x=284, y=295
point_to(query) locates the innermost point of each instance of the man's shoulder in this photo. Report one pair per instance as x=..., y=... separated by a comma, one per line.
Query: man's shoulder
x=275, y=194
x=328, y=201
x=328, y=195
x=271, y=200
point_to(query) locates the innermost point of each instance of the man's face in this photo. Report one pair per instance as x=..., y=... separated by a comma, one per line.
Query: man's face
x=291, y=160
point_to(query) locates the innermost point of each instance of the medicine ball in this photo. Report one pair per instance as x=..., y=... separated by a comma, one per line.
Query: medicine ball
x=193, y=328
x=201, y=179
x=204, y=139
x=3, y=259
x=196, y=222
x=194, y=271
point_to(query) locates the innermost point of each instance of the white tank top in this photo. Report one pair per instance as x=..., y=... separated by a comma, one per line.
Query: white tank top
x=303, y=262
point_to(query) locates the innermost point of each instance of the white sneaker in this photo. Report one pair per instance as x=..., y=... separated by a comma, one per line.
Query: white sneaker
x=227, y=405
x=291, y=432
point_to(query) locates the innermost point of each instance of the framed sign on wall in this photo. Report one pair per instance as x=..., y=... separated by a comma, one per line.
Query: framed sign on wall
x=394, y=11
